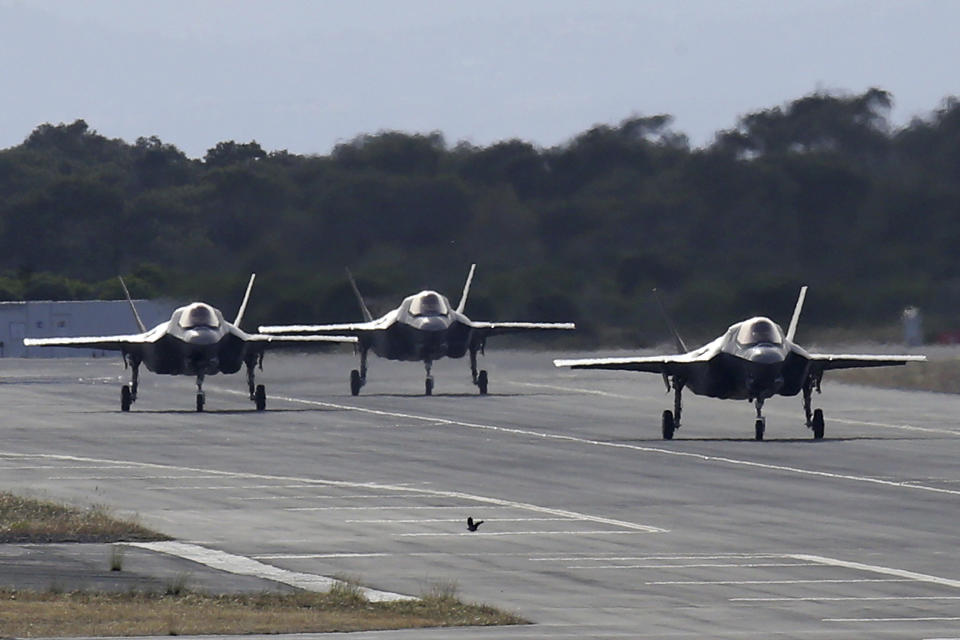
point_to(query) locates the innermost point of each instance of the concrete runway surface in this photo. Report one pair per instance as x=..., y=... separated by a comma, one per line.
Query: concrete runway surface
x=594, y=526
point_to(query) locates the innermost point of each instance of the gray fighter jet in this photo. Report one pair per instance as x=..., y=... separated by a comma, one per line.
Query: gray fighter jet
x=753, y=360
x=423, y=328
x=195, y=341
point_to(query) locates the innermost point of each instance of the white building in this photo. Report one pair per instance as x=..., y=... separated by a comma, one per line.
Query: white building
x=49, y=319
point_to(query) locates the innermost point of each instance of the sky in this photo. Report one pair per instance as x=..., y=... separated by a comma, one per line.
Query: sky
x=305, y=75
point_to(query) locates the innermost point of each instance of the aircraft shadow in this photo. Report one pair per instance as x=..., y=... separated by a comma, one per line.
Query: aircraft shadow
x=441, y=395
x=750, y=439
x=238, y=412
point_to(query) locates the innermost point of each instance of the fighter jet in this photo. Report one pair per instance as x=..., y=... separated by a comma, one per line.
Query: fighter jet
x=423, y=328
x=195, y=341
x=753, y=360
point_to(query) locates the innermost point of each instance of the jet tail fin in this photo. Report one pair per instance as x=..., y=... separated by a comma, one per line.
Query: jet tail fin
x=466, y=290
x=243, y=305
x=136, y=316
x=792, y=330
x=677, y=340
x=367, y=316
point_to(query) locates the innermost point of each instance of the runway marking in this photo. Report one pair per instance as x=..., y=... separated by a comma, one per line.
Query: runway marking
x=242, y=565
x=366, y=496
x=458, y=520
x=844, y=598
x=488, y=534
x=911, y=575
x=698, y=566
x=826, y=581
x=376, y=486
x=75, y=478
x=885, y=425
x=924, y=619
x=619, y=445
x=377, y=508
x=317, y=556
x=725, y=556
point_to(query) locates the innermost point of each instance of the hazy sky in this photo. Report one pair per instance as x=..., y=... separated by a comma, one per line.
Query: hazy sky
x=303, y=75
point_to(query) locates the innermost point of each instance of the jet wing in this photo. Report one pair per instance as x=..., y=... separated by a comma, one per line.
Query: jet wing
x=826, y=361
x=666, y=364
x=493, y=328
x=349, y=328
x=108, y=343
x=275, y=340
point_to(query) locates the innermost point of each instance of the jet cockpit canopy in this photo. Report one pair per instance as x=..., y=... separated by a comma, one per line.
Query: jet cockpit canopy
x=759, y=331
x=199, y=314
x=429, y=303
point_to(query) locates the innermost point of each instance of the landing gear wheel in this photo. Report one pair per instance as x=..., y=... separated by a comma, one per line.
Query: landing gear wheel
x=260, y=397
x=482, y=382
x=668, y=425
x=428, y=387
x=817, y=424
x=355, y=383
x=759, y=427
x=200, y=400
x=125, y=400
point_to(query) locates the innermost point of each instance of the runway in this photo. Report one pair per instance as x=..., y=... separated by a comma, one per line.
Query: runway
x=594, y=526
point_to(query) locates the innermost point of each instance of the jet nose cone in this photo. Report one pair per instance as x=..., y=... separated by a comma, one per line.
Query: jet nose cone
x=433, y=323
x=764, y=376
x=764, y=355
x=201, y=336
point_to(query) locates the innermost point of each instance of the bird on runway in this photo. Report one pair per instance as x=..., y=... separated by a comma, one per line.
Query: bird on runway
x=473, y=526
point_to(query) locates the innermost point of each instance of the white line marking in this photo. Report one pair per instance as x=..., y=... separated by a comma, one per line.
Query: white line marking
x=424, y=520
x=317, y=556
x=697, y=566
x=884, y=425
x=912, y=575
x=379, y=508
x=842, y=599
x=365, y=496
x=927, y=619
x=242, y=565
x=619, y=445
x=725, y=556
x=719, y=582
x=457, y=495
x=478, y=534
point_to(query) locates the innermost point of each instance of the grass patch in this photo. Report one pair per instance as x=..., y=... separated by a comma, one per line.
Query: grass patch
x=28, y=520
x=936, y=375
x=34, y=614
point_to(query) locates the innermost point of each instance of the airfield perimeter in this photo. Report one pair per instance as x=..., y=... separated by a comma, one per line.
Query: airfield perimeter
x=594, y=526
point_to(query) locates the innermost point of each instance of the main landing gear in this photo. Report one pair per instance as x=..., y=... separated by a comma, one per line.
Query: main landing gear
x=814, y=418
x=479, y=378
x=359, y=378
x=128, y=393
x=671, y=419
x=258, y=392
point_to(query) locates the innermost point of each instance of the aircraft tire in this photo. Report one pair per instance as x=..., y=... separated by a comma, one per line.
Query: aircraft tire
x=428, y=387
x=758, y=428
x=818, y=424
x=355, y=383
x=200, y=400
x=482, y=382
x=260, y=397
x=125, y=398
x=668, y=425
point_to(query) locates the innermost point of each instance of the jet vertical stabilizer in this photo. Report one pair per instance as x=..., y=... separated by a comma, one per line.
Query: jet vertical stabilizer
x=246, y=297
x=792, y=329
x=367, y=316
x=136, y=316
x=466, y=290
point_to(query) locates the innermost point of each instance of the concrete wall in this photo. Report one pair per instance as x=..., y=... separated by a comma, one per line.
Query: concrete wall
x=48, y=319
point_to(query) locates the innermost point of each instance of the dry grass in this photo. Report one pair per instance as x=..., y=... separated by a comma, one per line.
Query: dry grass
x=25, y=520
x=935, y=375
x=32, y=614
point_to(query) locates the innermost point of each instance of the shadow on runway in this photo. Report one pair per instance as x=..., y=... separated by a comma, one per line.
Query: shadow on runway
x=765, y=440
x=238, y=412
x=442, y=395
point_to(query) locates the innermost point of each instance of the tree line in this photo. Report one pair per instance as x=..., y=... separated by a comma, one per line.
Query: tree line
x=820, y=191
